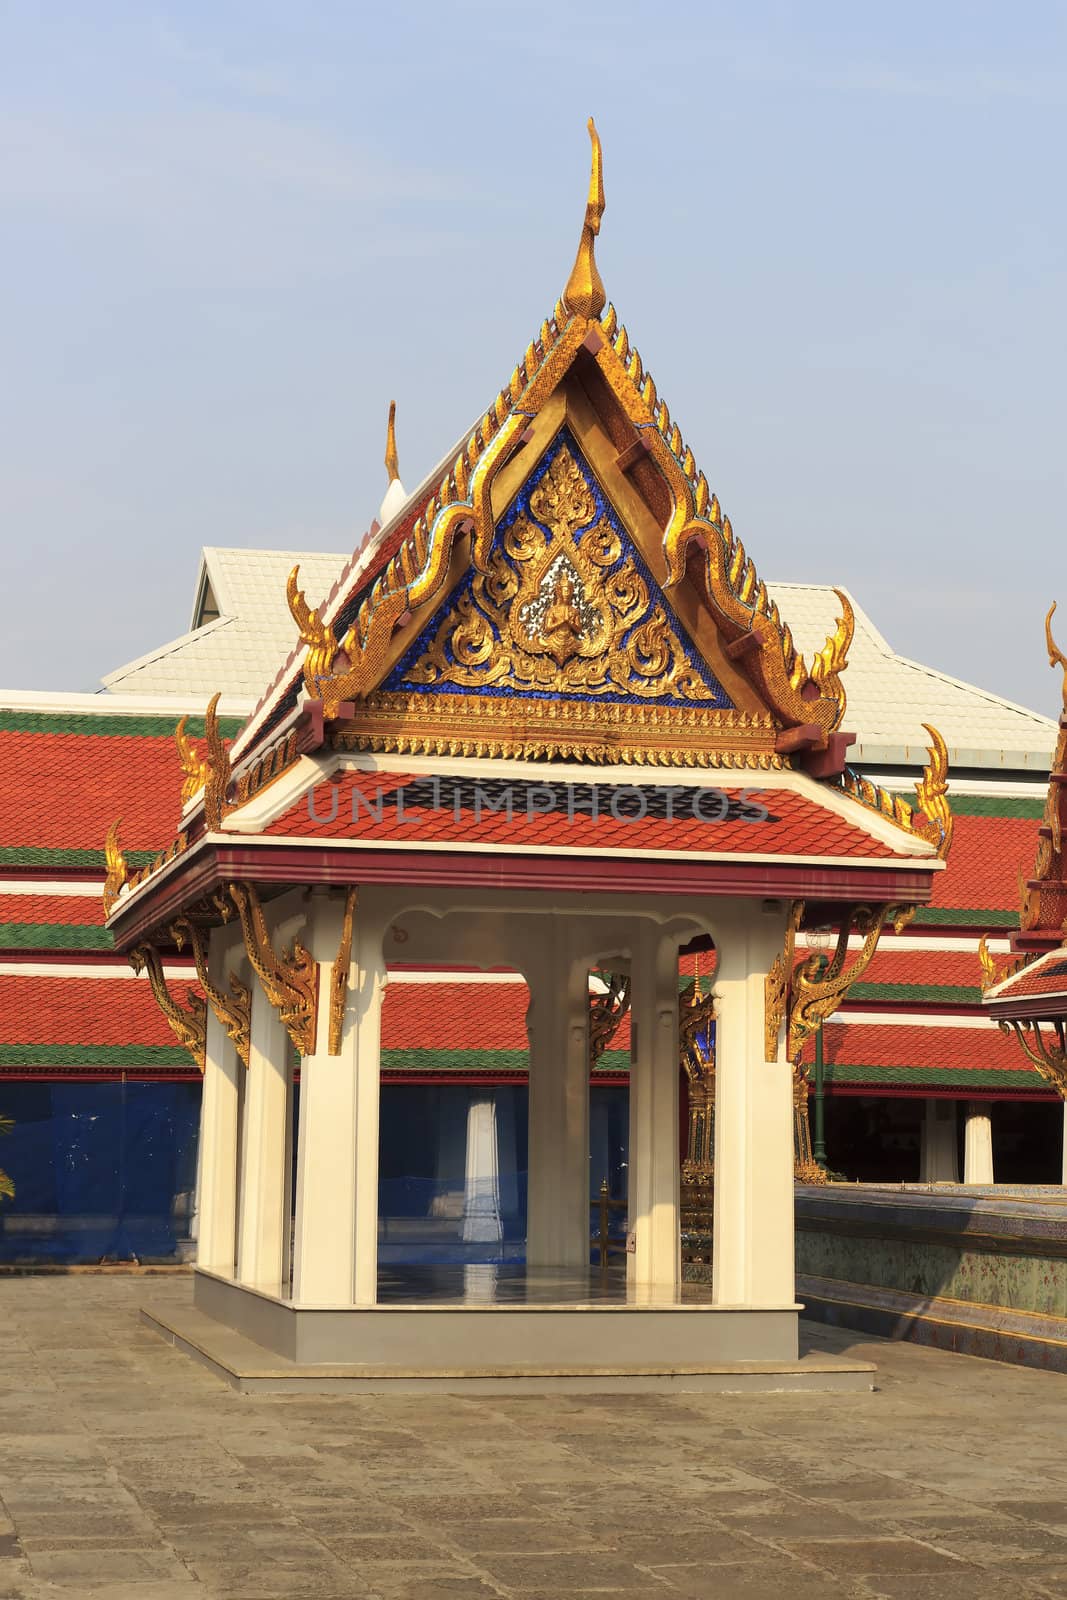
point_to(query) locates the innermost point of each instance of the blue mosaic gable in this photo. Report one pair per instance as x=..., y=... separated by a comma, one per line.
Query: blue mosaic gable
x=409, y=675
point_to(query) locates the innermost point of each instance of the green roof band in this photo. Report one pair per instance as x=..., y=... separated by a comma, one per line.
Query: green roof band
x=943, y=994
x=928, y=1077
x=109, y=725
x=966, y=917
x=93, y=1055
x=89, y=860
x=53, y=936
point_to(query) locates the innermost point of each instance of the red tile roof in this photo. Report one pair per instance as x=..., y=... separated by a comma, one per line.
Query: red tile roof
x=796, y=826
x=82, y=911
x=921, y=1056
x=1048, y=976
x=984, y=863
x=83, y=1011
x=63, y=791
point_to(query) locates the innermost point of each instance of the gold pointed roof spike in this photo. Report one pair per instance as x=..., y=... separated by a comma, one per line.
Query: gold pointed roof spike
x=584, y=295
x=1056, y=657
x=392, y=463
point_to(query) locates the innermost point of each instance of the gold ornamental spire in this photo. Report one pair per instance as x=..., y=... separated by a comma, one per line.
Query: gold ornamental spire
x=1056, y=657
x=392, y=463
x=584, y=294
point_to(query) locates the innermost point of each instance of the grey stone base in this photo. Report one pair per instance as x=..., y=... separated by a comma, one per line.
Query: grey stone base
x=996, y=1333
x=564, y=1334
x=249, y=1368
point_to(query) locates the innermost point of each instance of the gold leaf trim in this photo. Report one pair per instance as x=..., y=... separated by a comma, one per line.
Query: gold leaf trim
x=818, y=991
x=776, y=983
x=188, y=1022
x=116, y=869
x=290, y=981
x=217, y=785
x=930, y=791
x=339, y=974
x=542, y=730
x=234, y=1010
x=1049, y=1057
x=194, y=766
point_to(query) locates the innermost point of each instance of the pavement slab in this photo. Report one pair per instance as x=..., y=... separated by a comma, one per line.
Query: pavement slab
x=130, y=1473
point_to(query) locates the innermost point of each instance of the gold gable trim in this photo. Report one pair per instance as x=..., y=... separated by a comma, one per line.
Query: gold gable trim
x=562, y=730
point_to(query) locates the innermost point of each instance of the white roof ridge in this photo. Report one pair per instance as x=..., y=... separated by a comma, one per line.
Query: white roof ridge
x=975, y=689
x=180, y=642
x=104, y=702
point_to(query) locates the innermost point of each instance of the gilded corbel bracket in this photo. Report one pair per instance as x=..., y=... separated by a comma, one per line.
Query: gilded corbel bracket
x=1049, y=1059
x=290, y=981
x=188, y=1022
x=117, y=872
x=339, y=974
x=606, y=1012
x=234, y=1010
x=932, y=818
x=776, y=983
x=817, y=992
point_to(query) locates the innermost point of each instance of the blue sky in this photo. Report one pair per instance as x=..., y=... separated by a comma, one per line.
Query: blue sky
x=230, y=233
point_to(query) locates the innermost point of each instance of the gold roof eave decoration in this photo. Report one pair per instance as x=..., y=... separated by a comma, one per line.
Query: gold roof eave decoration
x=931, y=816
x=336, y=671
x=116, y=870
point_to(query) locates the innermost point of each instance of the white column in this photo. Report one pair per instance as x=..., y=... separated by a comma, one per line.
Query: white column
x=557, y=1024
x=216, y=1162
x=654, y=1262
x=978, y=1143
x=481, y=1191
x=263, y=1223
x=938, y=1159
x=336, y=1241
x=753, y=1262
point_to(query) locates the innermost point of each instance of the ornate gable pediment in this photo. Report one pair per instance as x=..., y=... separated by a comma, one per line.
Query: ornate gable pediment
x=560, y=643
x=637, y=607
x=566, y=608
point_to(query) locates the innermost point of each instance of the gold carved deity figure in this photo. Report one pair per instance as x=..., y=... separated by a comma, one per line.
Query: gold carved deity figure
x=561, y=607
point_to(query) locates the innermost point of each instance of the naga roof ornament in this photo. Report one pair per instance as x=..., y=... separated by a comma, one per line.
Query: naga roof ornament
x=195, y=767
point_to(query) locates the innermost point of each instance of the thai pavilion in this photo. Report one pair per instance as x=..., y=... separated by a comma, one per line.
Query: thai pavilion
x=547, y=720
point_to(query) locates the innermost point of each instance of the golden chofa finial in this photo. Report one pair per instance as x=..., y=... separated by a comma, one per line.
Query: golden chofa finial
x=584, y=295
x=392, y=464
x=396, y=496
x=1056, y=657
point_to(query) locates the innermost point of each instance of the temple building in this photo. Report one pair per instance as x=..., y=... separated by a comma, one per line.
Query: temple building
x=478, y=629
x=1028, y=998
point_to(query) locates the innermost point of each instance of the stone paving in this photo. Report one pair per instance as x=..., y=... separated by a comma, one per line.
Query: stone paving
x=129, y=1473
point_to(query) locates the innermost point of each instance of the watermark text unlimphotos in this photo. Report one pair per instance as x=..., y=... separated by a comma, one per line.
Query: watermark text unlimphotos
x=414, y=803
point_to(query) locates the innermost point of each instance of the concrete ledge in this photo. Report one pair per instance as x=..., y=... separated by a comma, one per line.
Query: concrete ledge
x=996, y=1333
x=250, y=1369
